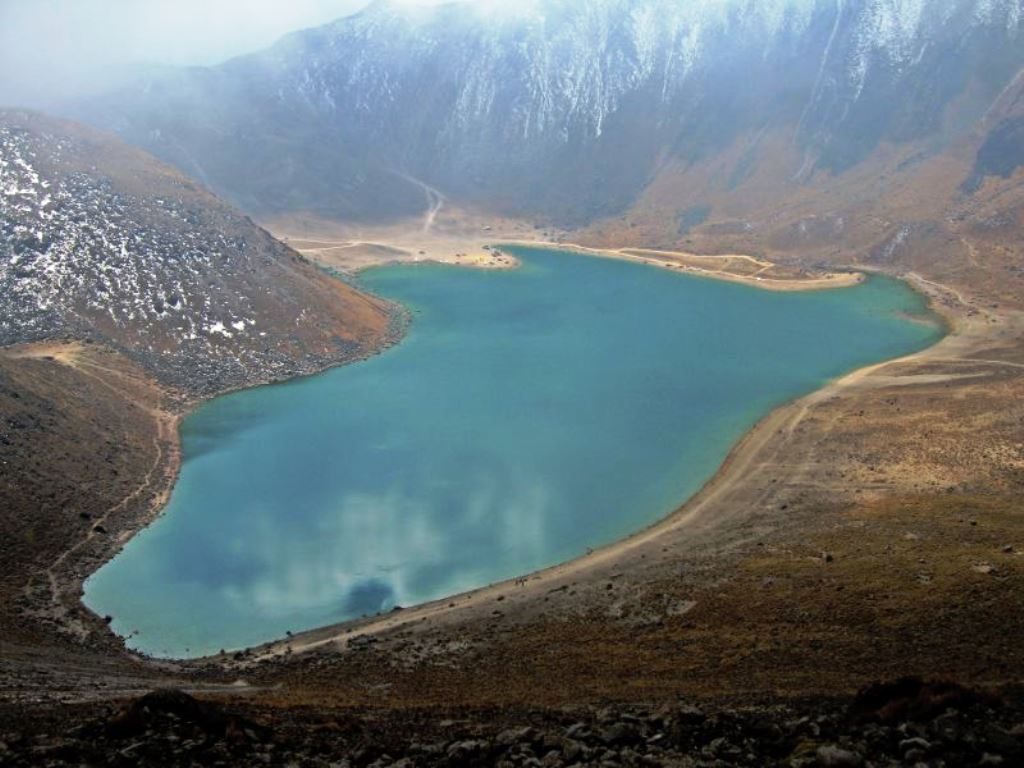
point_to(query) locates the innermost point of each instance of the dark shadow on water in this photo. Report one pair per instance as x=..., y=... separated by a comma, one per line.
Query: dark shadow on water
x=369, y=597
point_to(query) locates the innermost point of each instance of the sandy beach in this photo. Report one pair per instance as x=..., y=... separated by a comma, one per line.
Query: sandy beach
x=735, y=268
x=477, y=242
x=455, y=238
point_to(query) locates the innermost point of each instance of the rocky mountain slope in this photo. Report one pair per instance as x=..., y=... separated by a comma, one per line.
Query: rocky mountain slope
x=571, y=109
x=101, y=242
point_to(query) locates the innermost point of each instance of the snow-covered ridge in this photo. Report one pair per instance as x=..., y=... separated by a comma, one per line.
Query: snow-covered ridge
x=572, y=61
x=567, y=108
x=100, y=242
x=577, y=59
x=72, y=251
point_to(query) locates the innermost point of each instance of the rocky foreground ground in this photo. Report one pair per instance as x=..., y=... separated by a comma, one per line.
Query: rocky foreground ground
x=906, y=722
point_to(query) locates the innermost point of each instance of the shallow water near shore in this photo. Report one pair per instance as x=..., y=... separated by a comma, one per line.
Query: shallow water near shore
x=528, y=415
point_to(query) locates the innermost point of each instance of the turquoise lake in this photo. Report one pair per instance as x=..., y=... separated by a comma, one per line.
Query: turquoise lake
x=527, y=416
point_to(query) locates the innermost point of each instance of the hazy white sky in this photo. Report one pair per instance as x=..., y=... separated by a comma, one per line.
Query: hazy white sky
x=53, y=49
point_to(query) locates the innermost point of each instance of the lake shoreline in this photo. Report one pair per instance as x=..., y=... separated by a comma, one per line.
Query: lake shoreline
x=480, y=246
x=681, y=517
x=70, y=572
x=683, y=262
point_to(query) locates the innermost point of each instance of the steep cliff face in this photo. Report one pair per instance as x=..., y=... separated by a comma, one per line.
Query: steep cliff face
x=570, y=108
x=100, y=241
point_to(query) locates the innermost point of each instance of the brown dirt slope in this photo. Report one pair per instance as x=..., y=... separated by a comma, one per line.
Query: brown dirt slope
x=86, y=440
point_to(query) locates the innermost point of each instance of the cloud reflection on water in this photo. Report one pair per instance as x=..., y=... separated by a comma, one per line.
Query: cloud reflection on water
x=376, y=551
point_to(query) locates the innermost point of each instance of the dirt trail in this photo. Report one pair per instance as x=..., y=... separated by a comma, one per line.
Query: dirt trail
x=158, y=479
x=435, y=200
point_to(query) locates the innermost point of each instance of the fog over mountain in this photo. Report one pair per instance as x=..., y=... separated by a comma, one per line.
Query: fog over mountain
x=571, y=109
x=52, y=51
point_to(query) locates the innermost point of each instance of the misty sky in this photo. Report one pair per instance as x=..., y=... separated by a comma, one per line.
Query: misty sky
x=51, y=50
